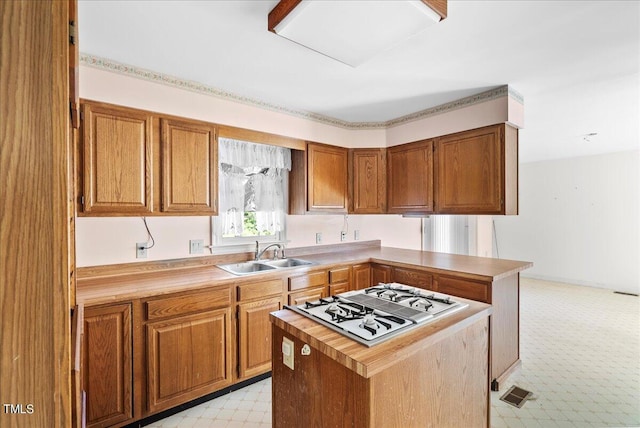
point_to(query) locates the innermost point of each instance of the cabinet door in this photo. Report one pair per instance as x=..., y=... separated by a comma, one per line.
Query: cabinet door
x=107, y=365
x=369, y=181
x=117, y=160
x=380, y=274
x=254, y=336
x=410, y=178
x=361, y=276
x=327, y=178
x=470, y=172
x=337, y=288
x=187, y=357
x=189, y=167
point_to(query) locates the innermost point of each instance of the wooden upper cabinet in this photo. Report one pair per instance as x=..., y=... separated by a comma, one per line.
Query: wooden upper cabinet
x=476, y=171
x=410, y=178
x=368, y=181
x=326, y=178
x=117, y=146
x=189, y=167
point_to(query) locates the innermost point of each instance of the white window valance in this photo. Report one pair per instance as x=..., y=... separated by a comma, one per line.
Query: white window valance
x=243, y=154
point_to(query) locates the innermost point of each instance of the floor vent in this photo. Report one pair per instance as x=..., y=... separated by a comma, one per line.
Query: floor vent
x=625, y=293
x=516, y=396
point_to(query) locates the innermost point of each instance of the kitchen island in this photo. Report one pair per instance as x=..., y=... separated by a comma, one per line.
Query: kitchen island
x=436, y=375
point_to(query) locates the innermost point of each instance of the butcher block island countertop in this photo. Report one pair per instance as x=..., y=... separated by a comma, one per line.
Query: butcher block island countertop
x=435, y=375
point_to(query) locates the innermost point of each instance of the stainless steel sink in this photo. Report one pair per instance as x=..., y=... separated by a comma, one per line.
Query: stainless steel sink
x=246, y=268
x=288, y=263
x=252, y=267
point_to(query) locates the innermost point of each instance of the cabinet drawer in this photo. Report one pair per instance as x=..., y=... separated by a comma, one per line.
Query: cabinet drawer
x=340, y=287
x=315, y=279
x=413, y=278
x=338, y=275
x=307, y=295
x=474, y=290
x=188, y=303
x=258, y=290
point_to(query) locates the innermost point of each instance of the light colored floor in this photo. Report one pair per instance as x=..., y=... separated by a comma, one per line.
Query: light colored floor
x=580, y=349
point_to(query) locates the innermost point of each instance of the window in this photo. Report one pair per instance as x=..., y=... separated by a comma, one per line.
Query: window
x=448, y=233
x=253, y=193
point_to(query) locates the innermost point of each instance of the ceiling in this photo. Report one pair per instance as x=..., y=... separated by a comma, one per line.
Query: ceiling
x=576, y=63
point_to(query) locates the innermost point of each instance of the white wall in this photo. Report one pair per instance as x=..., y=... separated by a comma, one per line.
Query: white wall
x=392, y=230
x=579, y=221
x=110, y=240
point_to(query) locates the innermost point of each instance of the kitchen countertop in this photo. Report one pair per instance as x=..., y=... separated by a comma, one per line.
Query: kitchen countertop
x=141, y=282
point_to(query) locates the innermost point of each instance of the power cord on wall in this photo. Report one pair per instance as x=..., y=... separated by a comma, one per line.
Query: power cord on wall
x=149, y=236
x=495, y=238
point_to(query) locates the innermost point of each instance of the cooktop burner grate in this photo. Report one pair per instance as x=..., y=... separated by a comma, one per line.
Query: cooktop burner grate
x=390, y=307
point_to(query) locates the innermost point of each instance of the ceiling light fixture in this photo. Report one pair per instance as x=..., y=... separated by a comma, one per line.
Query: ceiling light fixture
x=352, y=32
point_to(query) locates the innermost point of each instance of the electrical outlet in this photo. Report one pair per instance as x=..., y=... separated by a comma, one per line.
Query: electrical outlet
x=343, y=236
x=287, y=352
x=196, y=246
x=141, y=250
x=356, y=235
x=318, y=238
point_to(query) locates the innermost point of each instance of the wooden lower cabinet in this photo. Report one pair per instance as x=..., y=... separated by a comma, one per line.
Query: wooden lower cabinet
x=380, y=274
x=310, y=294
x=107, y=365
x=307, y=287
x=188, y=357
x=339, y=280
x=414, y=278
x=254, y=336
x=361, y=276
x=503, y=294
x=469, y=289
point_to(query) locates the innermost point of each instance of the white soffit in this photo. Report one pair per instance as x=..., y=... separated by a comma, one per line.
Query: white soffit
x=353, y=32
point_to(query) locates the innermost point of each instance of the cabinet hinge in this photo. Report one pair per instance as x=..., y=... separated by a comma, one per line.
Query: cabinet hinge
x=72, y=32
x=74, y=115
x=82, y=201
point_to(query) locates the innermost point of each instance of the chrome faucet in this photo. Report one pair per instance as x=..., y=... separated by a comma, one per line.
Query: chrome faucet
x=275, y=253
